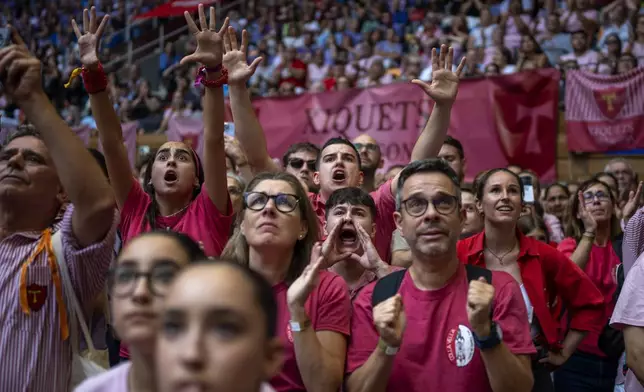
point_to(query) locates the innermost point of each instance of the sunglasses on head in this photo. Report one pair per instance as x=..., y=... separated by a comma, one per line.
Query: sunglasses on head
x=297, y=163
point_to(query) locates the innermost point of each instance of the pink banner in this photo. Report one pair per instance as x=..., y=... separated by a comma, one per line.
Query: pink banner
x=499, y=120
x=129, y=140
x=605, y=112
x=187, y=129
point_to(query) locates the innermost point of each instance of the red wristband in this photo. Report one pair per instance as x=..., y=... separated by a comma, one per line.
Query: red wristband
x=95, y=81
x=215, y=83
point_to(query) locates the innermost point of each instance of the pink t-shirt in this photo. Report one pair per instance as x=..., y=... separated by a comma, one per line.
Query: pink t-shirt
x=438, y=346
x=329, y=309
x=201, y=220
x=587, y=61
x=114, y=380
x=629, y=311
x=600, y=268
x=385, y=225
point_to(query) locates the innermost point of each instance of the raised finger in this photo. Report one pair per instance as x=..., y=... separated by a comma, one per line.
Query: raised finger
x=85, y=20
x=638, y=193
x=213, y=20
x=202, y=18
x=434, y=59
x=227, y=47
x=460, y=67
x=233, y=38
x=92, y=20
x=450, y=59
x=101, y=27
x=244, y=41
x=441, y=57
x=15, y=37
x=224, y=27
x=192, y=26
x=76, y=29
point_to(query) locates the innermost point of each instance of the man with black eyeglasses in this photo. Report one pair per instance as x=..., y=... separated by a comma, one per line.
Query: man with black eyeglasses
x=299, y=160
x=370, y=159
x=439, y=325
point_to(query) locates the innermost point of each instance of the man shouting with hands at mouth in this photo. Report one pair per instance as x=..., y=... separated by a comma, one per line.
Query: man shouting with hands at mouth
x=348, y=250
x=440, y=325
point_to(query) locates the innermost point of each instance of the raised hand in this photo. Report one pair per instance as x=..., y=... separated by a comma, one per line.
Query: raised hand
x=328, y=249
x=370, y=259
x=300, y=290
x=479, y=302
x=235, y=60
x=590, y=225
x=210, y=43
x=21, y=70
x=390, y=321
x=634, y=202
x=444, y=85
x=89, y=40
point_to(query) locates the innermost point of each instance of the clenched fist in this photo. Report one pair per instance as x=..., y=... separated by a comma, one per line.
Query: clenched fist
x=390, y=321
x=479, y=304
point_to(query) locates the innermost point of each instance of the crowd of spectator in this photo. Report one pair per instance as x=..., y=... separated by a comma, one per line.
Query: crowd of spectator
x=315, y=46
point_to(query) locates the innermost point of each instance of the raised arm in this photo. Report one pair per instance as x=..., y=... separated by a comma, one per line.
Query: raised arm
x=247, y=128
x=79, y=174
x=209, y=52
x=442, y=90
x=108, y=123
x=581, y=255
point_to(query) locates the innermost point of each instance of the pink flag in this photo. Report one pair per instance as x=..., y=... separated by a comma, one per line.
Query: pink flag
x=129, y=140
x=605, y=112
x=187, y=129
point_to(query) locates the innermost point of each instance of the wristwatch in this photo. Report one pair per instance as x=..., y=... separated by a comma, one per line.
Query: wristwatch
x=388, y=350
x=494, y=339
x=297, y=326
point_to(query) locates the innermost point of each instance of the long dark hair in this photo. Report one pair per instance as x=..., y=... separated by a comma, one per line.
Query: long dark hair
x=237, y=247
x=153, y=209
x=575, y=226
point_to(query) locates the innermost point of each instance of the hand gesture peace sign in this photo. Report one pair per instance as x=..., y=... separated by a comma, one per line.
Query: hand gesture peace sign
x=88, y=42
x=633, y=203
x=300, y=290
x=444, y=85
x=210, y=47
x=590, y=225
x=235, y=58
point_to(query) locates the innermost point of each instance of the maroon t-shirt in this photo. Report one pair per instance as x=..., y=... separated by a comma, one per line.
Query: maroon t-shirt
x=438, y=352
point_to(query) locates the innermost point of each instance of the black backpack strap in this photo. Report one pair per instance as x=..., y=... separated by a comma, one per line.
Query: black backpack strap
x=474, y=273
x=617, y=245
x=387, y=287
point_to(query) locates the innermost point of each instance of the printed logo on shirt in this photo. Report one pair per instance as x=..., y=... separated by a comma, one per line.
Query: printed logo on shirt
x=289, y=333
x=460, y=346
x=36, y=296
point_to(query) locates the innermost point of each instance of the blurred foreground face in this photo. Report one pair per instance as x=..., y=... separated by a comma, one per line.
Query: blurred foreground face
x=213, y=335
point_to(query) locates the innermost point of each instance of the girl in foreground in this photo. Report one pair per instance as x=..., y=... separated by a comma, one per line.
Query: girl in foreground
x=138, y=283
x=218, y=331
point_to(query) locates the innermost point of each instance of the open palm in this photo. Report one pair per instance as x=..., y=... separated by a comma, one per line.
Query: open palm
x=300, y=290
x=210, y=48
x=444, y=84
x=235, y=62
x=89, y=39
x=633, y=203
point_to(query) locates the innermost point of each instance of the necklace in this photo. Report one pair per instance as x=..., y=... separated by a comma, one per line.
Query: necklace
x=178, y=212
x=500, y=258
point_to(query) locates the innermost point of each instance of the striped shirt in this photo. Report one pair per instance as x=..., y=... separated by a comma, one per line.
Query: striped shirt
x=633, y=244
x=34, y=356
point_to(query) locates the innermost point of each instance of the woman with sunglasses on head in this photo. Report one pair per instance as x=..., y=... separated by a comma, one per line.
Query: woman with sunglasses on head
x=594, y=244
x=218, y=331
x=545, y=275
x=276, y=235
x=138, y=283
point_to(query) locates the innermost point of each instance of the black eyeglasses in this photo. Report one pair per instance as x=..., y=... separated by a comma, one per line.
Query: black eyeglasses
x=123, y=279
x=367, y=146
x=589, y=197
x=284, y=202
x=417, y=206
x=297, y=163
